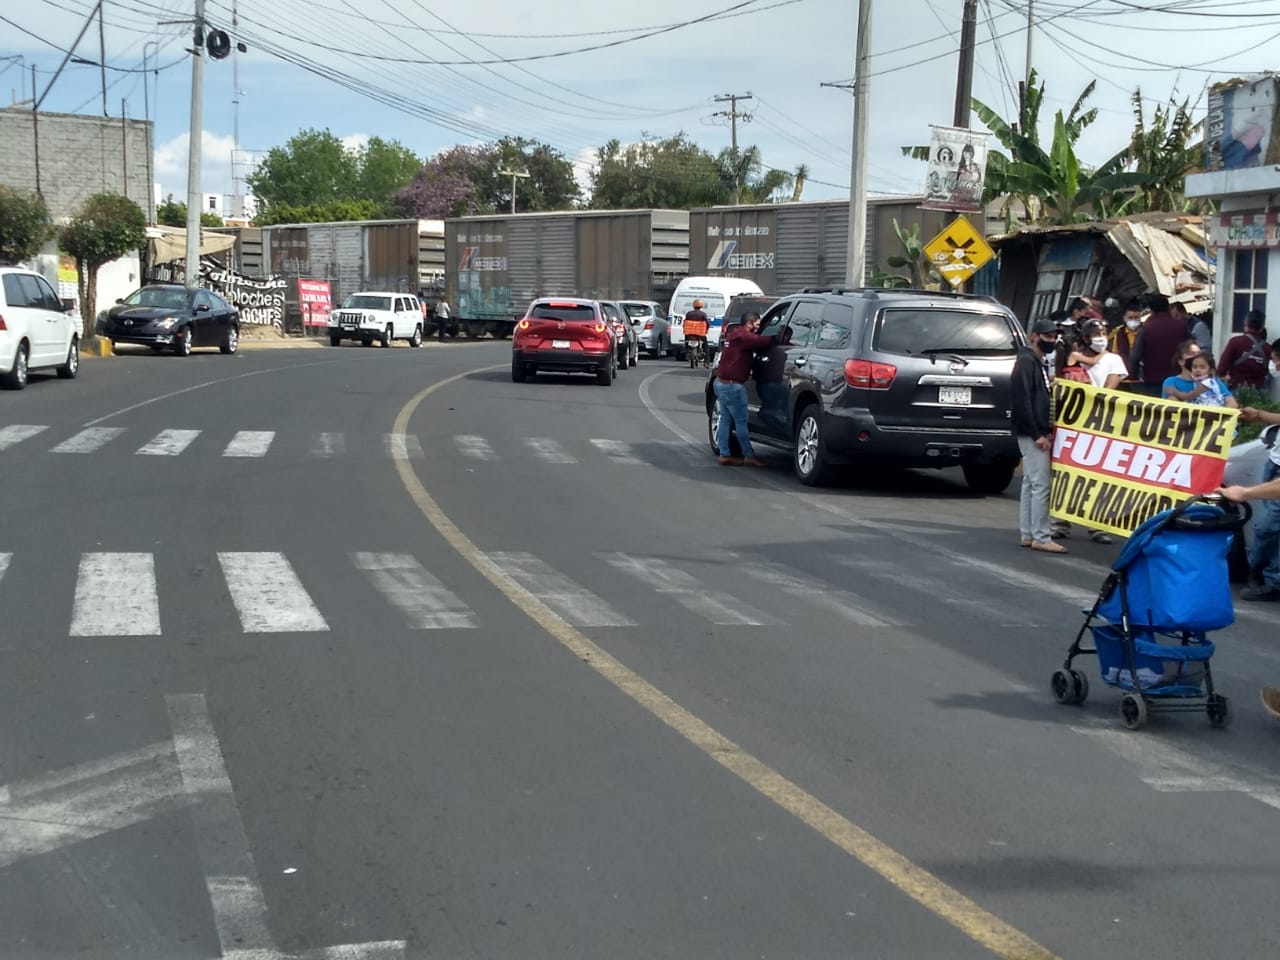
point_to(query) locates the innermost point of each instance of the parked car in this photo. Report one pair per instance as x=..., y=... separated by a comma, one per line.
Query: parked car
x=651, y=323
x=37, y=331
x=564, y=335
x=625, y=331
x=377, y=316
x=900, y=378
x=166, y=316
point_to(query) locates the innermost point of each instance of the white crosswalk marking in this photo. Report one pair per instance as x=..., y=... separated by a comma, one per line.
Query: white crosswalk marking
x=17, y=433
x=168, y=443
x=617, y=450
x=816, y=593
x=88, y=440
x=722, y=610
x=4, y=563
x=575, y=603
x=116, y=596
x=477, y=448
x=268, y=594
x=940, y=591
x=250, y=443
x=402, y=446
x=425, y=602
x=329, y=445
x=548, y=451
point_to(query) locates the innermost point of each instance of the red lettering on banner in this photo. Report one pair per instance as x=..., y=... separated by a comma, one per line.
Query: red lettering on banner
x=1111, y=456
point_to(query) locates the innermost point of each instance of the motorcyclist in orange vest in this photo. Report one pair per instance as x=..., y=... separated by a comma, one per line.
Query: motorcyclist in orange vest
x=696, y=326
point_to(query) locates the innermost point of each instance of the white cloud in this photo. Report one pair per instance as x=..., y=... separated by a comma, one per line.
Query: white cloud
x=584, y=161
x=355, y=141
x=215, y=164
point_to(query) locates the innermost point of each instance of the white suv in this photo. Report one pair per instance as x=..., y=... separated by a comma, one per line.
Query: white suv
x=36, y=332
x=377, y=316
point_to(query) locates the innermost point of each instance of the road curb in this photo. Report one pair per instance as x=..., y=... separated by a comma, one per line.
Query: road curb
x=96, y=347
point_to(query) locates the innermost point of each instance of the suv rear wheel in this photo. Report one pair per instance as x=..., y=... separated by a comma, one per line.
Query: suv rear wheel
x=989, y=478
x=810, y=458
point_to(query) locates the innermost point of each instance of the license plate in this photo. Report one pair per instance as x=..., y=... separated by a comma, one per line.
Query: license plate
x=961, y=396
x=560, y=344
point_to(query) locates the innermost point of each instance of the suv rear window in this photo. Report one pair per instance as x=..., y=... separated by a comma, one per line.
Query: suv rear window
x=582, y=312
x=741, y=306
x=358, y=301
x=911, y=332
x=638, y=309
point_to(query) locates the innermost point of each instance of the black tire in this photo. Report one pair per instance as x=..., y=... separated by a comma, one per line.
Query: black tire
x=713, y=422
x=230, y=340
x=416, y=339
x=1063, y=687
x=16, y=378
x=69, y=369
x=182, y=346
x=386, y=337
x=1082, y=685
x=987, y=478
x=1133, y=711
x=1218, y=709
x=335, y=341
x=808, y=453
x=367, y=341
x=518, y=373
x=605, y=377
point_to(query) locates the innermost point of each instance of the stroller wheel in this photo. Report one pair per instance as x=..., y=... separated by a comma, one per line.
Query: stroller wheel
x=1133, y=711
x=1218, y=708
x=1081, y=685
x=1064, y=687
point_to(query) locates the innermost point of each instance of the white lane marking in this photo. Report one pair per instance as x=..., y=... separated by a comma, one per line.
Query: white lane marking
x=116, y=596
x=17, y=433
x=88, y=440
x=239, y=908
x=573, y=602
x=168, y=443
x=722, y=610
x=816, y=593
x=647, y=399
x=1171, y=769
x=477, y=448
x=940, y=591
x=4, y=563
x=329, y=445
x=425, y=602
x=250, y=443
x=231, y=877
x=617, y=450
x=548, y=451
x=68, y=806
x=268, y=595
x=402, y=446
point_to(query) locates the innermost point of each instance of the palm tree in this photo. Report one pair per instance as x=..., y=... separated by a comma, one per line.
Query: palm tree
x=801, y=175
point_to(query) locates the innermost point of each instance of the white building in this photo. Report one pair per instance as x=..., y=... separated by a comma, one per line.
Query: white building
x=1243, y=136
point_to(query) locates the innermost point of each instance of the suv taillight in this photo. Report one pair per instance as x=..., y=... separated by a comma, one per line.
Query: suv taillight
x=649, y=325
x=600, y=328
x=2, y=326
x=523, y=325
x=869, y=375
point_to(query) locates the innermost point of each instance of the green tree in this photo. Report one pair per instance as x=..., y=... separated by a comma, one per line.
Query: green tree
x=550, y=184
x=108, y=226
x=757, y=183
x=312, y=167
x=24, y=225
x=335, y=212
x=674, y=173
x=173, y=213
x=1163, y=150
x=383, y=167
x=799, y=179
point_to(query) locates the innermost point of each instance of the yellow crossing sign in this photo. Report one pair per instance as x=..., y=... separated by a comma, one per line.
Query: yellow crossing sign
x=958, y=252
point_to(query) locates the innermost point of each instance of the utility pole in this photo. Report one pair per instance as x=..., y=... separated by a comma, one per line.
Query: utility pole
x=964, y=78
x=856, y=269
x=734, y=114
x=102, y=59
x=146, y=108
x=513, y=174
x=194, y=196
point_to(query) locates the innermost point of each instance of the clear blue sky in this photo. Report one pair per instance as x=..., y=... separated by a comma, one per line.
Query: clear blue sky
x=577, y=98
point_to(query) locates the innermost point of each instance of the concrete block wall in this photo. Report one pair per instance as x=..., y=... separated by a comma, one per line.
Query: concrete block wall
x=80, y=155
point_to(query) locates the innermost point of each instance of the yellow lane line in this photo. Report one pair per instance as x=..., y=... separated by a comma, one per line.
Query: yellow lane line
x=929, y=891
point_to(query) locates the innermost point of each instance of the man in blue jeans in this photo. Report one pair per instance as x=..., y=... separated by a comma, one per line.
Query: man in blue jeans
x=1264, y=552
x=736, y=353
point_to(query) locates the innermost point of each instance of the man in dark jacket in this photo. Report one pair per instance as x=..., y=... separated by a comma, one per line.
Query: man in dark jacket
x=1033, y=428
x=732, y=373
x=1155, y=351
x=1245, y=357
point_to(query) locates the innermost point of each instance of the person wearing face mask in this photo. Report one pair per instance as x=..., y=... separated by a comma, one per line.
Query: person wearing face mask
x=1124, y=336
x=1032, y=425
x=1202, y=387
x=1182, y=385
x=1105, y=368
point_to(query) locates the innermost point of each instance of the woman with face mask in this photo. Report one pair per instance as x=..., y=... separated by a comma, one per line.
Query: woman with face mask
x=1124, y=336
x=1201, y=385
x=1105, y=368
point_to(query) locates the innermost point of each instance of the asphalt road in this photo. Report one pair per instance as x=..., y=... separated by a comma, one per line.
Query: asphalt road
x=372, y=654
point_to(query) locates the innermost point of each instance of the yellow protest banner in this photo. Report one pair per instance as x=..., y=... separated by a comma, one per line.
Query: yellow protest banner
x=1119, y=458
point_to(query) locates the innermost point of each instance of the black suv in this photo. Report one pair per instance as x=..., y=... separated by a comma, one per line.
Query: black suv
x=909, y=378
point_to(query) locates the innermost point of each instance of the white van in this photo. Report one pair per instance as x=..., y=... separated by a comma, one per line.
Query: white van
x=715, y=293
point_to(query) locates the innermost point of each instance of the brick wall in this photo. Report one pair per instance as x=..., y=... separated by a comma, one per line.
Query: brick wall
x=79, y=156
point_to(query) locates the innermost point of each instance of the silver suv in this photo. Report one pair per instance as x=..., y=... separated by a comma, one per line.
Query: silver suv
x=905, y=378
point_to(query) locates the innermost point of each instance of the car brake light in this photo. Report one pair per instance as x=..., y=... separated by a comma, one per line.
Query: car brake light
x=2, y=326
x=599, y=328
x=523, y=324
x=869, y=375
x=649, y=325
x=562, y=304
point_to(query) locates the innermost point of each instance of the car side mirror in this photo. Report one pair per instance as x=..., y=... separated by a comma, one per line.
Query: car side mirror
x=68, y=305
x=203, y=308
x=119, y=299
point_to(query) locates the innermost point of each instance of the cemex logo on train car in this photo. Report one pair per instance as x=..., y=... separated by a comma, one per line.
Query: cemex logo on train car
x=724, y=258
x=470, y=260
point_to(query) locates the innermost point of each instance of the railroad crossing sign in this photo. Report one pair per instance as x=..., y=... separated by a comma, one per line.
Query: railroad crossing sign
x=958, y=252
